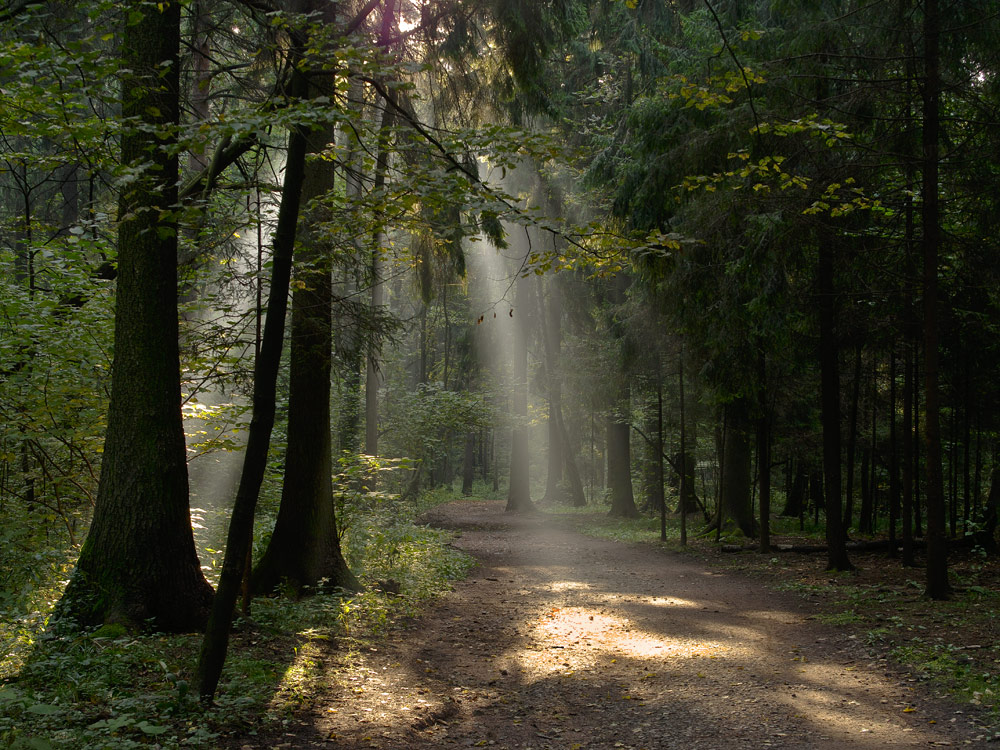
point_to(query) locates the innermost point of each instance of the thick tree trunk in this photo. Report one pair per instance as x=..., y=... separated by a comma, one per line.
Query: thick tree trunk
x=304, y=548
x=653, y=497
x=138, y=565
x=469, y=463
x=620, y=457
x=572, y=472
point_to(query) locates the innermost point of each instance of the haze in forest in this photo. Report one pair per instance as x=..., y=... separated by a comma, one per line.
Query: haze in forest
x=277, y=277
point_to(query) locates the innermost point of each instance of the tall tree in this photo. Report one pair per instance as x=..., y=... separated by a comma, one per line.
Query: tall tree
x=138, y=565
x=216, y=641
x=519, y=488
x=938, y=586
x=829, y=351
x=304, y=547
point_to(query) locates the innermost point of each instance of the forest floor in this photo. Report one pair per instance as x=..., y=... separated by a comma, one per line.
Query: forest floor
x=561, y=641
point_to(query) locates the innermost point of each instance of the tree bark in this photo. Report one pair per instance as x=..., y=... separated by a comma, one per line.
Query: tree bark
x=572, y=471
x=620, y=457
x=795, y=494
x=519, y=489
x=938, y=586
x=216, y=640
x=373, y=378
x=304, y=548
x=138, y=565
x=736, y=467
x=763, y=456
x=550, y=316
x=836, y=539
x=894, y=489
x=469, y=463
x=852, y=438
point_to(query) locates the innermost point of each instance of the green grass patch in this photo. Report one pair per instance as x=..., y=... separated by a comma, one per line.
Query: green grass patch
x=952, y=666
x=594, y=521
x=840, y=618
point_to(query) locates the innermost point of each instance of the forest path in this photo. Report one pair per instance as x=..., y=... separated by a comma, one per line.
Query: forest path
x=562, y=641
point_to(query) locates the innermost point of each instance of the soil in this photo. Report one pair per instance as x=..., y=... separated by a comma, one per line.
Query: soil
x=557, y=640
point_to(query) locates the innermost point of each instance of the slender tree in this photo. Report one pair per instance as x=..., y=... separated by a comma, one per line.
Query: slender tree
x=938, y=586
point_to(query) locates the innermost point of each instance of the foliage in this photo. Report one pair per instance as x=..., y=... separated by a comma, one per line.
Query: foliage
x=111, y=690
x=422, y=420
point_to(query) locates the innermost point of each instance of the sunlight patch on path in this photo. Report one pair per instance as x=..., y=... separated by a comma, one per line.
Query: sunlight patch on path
x=582, y=634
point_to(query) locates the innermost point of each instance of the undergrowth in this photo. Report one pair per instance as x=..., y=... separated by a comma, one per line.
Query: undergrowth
x=113, y=690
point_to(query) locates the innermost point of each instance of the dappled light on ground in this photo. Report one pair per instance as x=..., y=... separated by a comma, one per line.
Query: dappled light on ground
x=603, y=635
x=560, y=642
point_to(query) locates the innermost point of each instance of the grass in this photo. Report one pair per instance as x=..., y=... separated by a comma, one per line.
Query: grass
x=595, y=521
x=113, y=690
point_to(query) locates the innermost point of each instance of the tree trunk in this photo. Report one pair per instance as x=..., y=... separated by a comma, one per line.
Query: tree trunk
x=304, y=547
x=572, y=472
x=519, y=490
x=908, y=462
x=238, y=545
x=138, y=565
x=830, y=407
x=852, y=438
x=737, y=477
x=764, y=456
x=894, y=489
x=938, y=586
x=549, y=318
x=373, y=378
x=686, y=483
x=619, y=453
x=469, y=463
x=795, y=495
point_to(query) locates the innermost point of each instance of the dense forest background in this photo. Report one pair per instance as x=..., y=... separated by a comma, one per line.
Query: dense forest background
x=730, y=263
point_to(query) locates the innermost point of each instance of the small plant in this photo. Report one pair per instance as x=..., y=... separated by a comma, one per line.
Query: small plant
x=840, y=618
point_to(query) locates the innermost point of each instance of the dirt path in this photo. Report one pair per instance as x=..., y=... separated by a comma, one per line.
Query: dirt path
x=562, y=641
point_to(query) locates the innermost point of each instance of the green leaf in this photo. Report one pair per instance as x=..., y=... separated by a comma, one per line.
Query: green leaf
x=31, y=743
x=148, y=728
x=43, y=709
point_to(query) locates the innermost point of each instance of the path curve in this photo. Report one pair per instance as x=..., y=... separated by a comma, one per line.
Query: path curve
x=557, y=640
